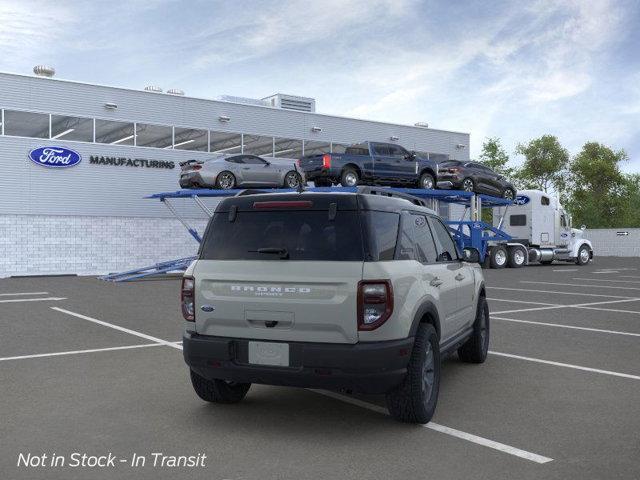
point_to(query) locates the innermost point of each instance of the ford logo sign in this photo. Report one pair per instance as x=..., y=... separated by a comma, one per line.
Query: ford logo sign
x=55, y=157
x=521, y=200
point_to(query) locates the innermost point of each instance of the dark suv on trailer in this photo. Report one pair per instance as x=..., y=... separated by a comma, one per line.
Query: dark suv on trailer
x=356, y=291
x=474, y=177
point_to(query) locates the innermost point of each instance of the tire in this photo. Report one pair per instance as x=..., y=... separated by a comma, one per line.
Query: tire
x=349, y=178
x=584, y=255
x=415, y=399
x=499, y=257
x=468, y=185
x=225, y=180
x=218, y=391
x=292, y=179
x=426, y=182
x=321, y=182
x=475, y=349
x=517, y=257
x=509, y=194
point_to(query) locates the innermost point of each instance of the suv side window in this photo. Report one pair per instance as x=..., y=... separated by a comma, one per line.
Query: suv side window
x=447, y=251
x=416, y=241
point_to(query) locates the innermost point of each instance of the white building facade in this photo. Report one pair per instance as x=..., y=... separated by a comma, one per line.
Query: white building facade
x=92, y=217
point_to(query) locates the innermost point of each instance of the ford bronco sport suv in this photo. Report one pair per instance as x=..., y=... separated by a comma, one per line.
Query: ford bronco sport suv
x=363, y=292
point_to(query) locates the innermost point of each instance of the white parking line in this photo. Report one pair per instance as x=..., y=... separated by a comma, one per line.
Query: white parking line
x=76, y=352
x=566, y=269
x=119, y=328
x=530, y=309
x=578, y=285
x=615, y=310
x=485, y=442
x=560, y=293
x=44, y=299
x=576, y=305
x=521, y=301
x=604, y=280
x=565, y=365
x=23, y=293
x=573, y=327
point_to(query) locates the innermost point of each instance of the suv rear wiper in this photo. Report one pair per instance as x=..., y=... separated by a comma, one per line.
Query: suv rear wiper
x=284, y=254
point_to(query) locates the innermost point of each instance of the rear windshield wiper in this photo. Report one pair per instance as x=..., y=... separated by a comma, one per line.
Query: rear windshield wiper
x=284, y=254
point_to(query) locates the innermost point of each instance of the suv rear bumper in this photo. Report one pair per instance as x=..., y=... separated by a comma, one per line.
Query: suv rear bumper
x=372, y=367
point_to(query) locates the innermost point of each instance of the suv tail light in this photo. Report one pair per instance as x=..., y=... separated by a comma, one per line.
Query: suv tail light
x=375, y=303
x=326, y=161
x=187, y=299
x=196, y=167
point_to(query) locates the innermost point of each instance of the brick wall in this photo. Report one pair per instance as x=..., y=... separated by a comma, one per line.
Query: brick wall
x=46, y=245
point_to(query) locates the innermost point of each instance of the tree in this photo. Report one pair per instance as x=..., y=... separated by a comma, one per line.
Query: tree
x=599, y=191
x=495, y=157
x=545, y=164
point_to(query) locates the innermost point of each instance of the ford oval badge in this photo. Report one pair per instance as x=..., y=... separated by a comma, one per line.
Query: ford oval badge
x=521, y=200
x=55, y=157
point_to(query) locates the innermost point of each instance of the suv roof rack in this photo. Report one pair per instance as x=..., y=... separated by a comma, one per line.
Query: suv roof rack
x=388, y=192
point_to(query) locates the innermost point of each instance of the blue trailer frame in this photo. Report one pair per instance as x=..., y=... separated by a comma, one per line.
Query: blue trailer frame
x=477, y=236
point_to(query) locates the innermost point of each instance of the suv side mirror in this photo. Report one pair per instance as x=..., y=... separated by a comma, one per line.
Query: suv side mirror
x=471, y=255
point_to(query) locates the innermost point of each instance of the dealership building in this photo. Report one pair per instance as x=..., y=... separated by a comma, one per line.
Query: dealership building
x=87, y=214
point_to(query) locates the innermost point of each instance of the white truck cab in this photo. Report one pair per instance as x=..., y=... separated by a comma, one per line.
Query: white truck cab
x=539, y=225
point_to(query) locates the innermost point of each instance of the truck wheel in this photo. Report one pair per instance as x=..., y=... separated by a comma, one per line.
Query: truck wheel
x=414, y=400
x=468, y=185
x=218, y=391
x=498, y=257
x=517, y=257
x=475, y=349
x=426, y=181
x=349, y=178
x=583, y=255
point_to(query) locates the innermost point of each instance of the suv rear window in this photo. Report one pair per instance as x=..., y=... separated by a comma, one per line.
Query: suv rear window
x=302, y=234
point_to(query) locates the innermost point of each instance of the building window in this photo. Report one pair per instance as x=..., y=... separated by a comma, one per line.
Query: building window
x=72, y=128
x=225, y=142
x=258, y=145
x=316, y=148
x=158, y=136
x=338, y=147
x=190, y=139
x=287, y=148
x=26, y=124
x=114, y=133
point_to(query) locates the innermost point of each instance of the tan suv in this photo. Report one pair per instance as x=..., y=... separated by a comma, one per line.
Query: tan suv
x=363, y=292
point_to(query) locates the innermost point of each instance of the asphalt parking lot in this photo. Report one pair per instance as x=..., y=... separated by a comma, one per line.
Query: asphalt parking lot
x=96, y=367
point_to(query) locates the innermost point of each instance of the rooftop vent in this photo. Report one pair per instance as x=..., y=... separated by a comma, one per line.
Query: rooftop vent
x=292, y=102
x=175, y=91
x=44, y=71
x=422, y=124
x=244, y=100
x=153, y=88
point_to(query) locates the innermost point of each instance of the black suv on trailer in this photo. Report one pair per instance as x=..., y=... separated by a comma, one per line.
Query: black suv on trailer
x=474, y=177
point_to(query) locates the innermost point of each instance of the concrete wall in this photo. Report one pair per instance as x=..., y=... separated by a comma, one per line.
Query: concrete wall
x=609, y=242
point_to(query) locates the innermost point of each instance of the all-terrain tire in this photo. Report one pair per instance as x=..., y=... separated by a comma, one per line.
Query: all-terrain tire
x=427, y=181
x=218, y=391
x=475, y=349
x=415, y=399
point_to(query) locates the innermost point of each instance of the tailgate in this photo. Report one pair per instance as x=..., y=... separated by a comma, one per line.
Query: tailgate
x=273, y=300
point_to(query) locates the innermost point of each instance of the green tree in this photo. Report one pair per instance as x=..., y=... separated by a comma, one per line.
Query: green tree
x=545, y=164
x=495, y=157
x=599, y=191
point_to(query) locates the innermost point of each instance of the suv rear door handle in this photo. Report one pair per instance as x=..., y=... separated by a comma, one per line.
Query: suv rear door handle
x=436, y=282
x=459, y=277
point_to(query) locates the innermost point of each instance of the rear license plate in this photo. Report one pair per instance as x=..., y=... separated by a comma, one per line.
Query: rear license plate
x=269, y=353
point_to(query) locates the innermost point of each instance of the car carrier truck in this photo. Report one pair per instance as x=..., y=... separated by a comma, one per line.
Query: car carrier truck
x=540, y=231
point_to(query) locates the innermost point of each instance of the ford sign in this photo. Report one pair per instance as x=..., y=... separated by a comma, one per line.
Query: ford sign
x=521, y=200
x=56, y=157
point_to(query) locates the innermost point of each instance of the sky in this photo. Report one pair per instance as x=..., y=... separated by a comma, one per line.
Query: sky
x=514, y=70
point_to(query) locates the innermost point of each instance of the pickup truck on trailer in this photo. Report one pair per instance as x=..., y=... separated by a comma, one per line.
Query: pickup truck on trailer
x=370, y=163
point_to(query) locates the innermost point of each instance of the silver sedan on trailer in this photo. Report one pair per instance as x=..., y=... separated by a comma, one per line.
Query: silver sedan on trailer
x=239, y=171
